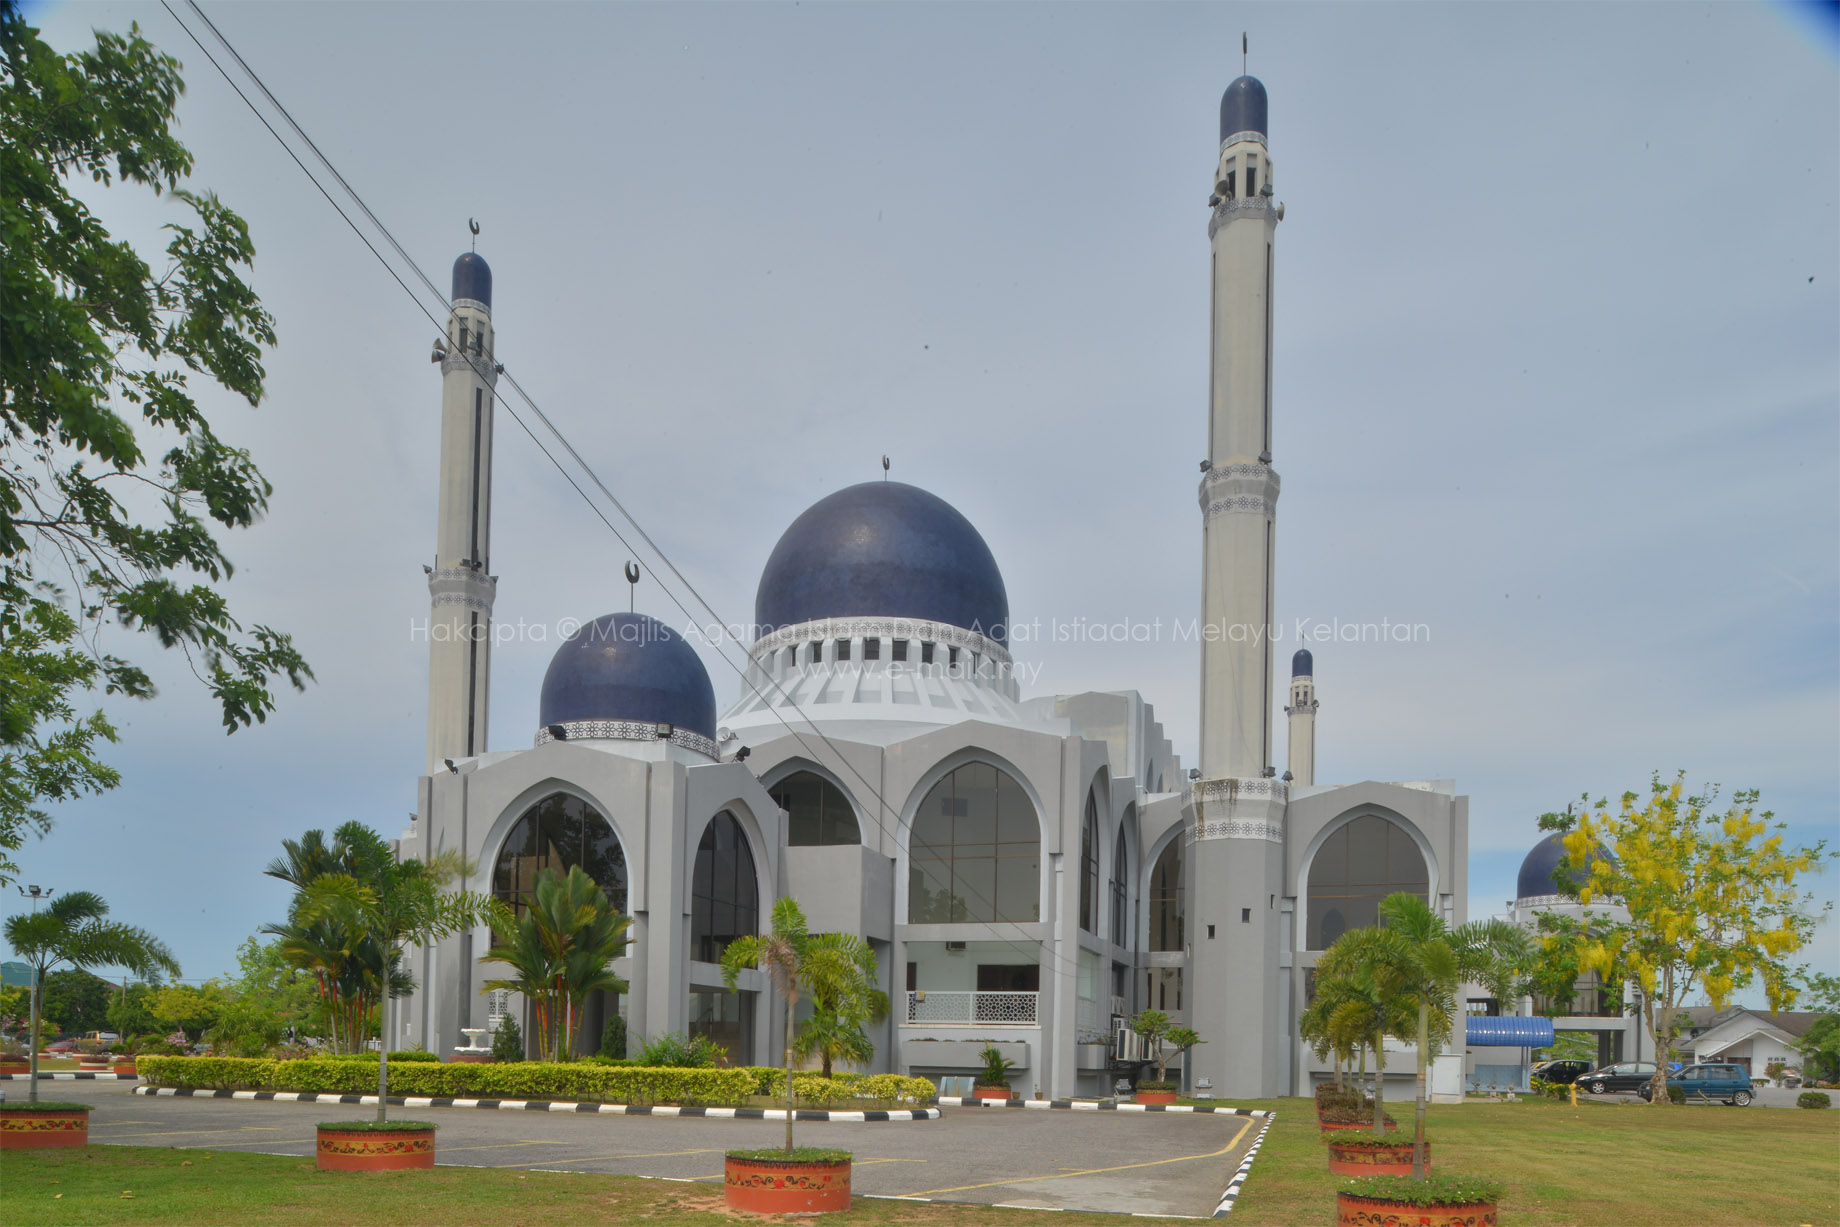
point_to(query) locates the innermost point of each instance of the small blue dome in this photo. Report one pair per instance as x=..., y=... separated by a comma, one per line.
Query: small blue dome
x=1303, y=664
x=628, y=666
x=473, y=278
x=883, y=549
x=1536, y=877
x=1242, y=108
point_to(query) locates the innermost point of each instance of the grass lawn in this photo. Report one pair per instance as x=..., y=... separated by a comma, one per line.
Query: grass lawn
x=1595, y=1165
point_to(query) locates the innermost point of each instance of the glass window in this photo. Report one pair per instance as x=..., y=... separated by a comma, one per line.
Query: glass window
x=727, y=1019
x=899, y=651
x=843, y=649
x=872, y=649
x=1121, y=895
x=559, y=832
x=724, y=895
x=817, y=813
x=926, y=652
x=1089, y=866
x=1167, y=907
x=976, y=851
x=1360, y=864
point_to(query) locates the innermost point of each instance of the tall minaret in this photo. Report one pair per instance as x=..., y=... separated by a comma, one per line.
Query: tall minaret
x=460, y=584
x=1302, y=711
x=1238, y=850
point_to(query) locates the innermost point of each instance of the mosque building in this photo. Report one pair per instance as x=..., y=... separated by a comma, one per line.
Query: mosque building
x=1028, y=868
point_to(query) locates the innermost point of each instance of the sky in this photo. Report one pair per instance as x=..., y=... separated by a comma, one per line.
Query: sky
x=1557, y=375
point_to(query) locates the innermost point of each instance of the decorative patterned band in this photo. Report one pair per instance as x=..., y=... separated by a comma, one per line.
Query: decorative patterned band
x=1232, y=828
x=881, y=628
x=627, y=730
x=1237, y=137
x=1214, y=801
x=464, y=587
x=1230, y=210
x=480, y=365
x=1239, y=489
x=1230, y=788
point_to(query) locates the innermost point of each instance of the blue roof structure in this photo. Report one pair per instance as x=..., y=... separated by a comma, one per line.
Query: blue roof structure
x=473, y=278
x=1302, y=663
x=1536, y=876
x=1243, y=108
x=627, y=666
x=1508, y=1032
x=883, y=549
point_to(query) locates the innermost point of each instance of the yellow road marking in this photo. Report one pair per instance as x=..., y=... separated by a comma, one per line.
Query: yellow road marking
x=867, y=1162
x=659, y=1154
x=1089, y=1171
x=167, y=1133
x=448, y=1150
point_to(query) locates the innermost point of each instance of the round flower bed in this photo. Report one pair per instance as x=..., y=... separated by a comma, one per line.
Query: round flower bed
x=805, y=1180
x=1435, y=1201
x=1353, y=1155
x=35, y=1126
x=366, y=1146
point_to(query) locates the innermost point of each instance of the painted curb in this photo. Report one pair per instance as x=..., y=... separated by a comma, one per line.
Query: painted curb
x=1245, y=1169
x=72, y=1077
x=1091, y=1105
x=547, y=1105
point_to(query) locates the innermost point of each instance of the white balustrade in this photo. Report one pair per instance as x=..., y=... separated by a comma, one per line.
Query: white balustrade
x=948, y=1007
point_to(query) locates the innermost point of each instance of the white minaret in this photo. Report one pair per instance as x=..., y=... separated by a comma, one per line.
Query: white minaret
x=460, y=584
x=1236, y=865
x=1302, y=711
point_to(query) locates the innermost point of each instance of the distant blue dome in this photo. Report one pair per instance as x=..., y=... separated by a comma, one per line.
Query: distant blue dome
x=628, y=666
x=1303, y=664
x=473, y=278
x=1242, y=108
x=1536, y=877
x=883, y=549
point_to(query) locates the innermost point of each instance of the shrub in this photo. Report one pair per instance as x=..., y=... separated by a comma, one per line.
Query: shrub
x=1439, y=1190
x=675, y=1050
x=1342, y=1114
x=996, y=1069
x=47, y=1105
x=377, y=1126
x=842, y=1087
x=507, y=1041
x=798, y=1154
x=1153, y=1085
x=514, y=1080
x=1552, y=1090
x=1812, y=1099
x=613, y=1038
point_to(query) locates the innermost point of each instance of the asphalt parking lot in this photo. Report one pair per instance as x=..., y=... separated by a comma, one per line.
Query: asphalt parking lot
x=1150, y=1163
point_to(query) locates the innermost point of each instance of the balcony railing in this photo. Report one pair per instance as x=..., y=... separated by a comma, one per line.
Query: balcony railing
x=950, y=1008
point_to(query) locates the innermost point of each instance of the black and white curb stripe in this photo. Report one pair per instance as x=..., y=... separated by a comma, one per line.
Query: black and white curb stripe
x=1245, y=1169
x=1094, y=1105
x=69, y=1077
x=547, y=1105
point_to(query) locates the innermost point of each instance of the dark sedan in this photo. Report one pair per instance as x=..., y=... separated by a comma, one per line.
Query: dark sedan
x=1561, y=1072
x=1623, y=1076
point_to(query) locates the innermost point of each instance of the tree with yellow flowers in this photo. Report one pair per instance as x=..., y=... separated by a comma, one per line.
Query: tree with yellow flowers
x=1710, y=898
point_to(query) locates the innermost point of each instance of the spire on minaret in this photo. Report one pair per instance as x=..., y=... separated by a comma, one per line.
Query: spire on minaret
x=1302, y=712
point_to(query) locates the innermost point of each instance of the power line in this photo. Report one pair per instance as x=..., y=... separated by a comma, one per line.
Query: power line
x=482, y=368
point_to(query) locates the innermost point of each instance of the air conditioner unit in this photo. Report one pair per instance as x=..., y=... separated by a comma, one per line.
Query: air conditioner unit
x=956, y=947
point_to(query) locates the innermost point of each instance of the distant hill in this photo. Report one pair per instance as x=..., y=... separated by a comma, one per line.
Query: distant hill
x=15, y=973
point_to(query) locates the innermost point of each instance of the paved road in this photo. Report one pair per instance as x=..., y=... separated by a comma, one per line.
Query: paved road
x=1153, y=1163
x=1766, y=1097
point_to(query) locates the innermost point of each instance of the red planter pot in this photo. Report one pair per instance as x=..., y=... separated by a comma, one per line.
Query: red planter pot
x=15, y=1067
x=1352, y=1211
x=1391, y=1160
x=363, y=1150
x=1155, y=1096
x=999, y=1093
x=23, y=1130
x=470, y=1058
x=786, y=1186
x=123, y=1067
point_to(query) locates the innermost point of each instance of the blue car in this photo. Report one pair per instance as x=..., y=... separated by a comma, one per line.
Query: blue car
x=1703, y=1083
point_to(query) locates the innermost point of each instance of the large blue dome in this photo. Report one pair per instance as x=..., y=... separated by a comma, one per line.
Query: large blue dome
x=628, y=667
x=473, y=278
x=1536, y=877
x=883, y=549
x=1243, y=108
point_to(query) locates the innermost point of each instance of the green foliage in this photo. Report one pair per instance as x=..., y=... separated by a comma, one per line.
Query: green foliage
x=48, y=1105
x=507, y=1041
x=613, y=1039
x=559, y=949
x=813, y=1088
x=379, y=1126
x=800, y=1154
x=97, y=351
x=129, y=1013
x=78, y=1000
x=1440, y=1190
x=1813, y=1099
x=996, y=1070
x=192, y=1010
x=1820, y=1049
x=1551, y=1090
x=1352, y=1114
x=675, y=1050
x=573, y=1081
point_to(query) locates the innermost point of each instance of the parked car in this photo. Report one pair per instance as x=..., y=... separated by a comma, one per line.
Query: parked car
x=1623, y=1076
x=1726, y=1083
x=61, y=1046
x=1561, y=1072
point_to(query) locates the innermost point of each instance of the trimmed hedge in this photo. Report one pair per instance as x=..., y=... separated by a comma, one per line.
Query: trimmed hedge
x=1812, y=1099
x=576, y=1080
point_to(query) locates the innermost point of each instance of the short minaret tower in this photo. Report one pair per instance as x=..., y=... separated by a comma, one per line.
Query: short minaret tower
x=1237, y=864
x=461, y=587
x=1302, y=711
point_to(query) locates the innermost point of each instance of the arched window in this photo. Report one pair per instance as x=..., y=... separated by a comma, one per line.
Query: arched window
x=1121, y=895
x=1361, y=863
x=817, y=813
x=724, y=890
x=1168, y=911
x=558, y=833
x=976, y=853
x=1089, y=866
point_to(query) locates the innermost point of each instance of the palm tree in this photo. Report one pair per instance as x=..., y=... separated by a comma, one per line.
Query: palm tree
x=560, y=948
x=797, y=962
x=1491, y=953
x=841, y=1007
x=73, y=929
x=1362, y=983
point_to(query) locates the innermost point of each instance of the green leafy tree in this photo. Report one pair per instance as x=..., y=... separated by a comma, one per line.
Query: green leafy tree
x=1710, y=901
x=1820, y=1044
x=1439, y=960
x=1362, y=982
x=99, y=421
x=560, y=949
x=79, y=1000
x=842, y=1005
x=795, y=960
x=1165, y=1039
x=508, y=1041
x=73, y=929
x=269, y=981
x=392, y=904
x=190, y=1010
x=129, y=1014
